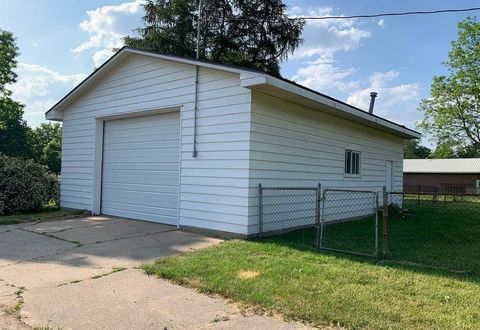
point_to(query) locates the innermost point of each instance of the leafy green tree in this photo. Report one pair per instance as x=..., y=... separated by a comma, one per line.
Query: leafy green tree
x=47, y=145
x=447, y=149
x=256, y=33
x=412, y=150
x=452, y=113
x=14, y=132
x=8, y=53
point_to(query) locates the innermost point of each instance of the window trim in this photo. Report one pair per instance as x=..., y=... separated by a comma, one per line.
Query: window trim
x=349, y=153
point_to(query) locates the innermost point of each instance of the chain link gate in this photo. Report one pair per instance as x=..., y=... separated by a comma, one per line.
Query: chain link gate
x=337, y=220
x=349, y=222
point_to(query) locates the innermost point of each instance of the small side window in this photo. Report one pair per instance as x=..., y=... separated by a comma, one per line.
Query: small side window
x=352, y=162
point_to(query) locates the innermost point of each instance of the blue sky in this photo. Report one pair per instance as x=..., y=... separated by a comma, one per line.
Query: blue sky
x=62, y=41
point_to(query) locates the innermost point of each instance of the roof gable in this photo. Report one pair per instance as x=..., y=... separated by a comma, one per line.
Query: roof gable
x=252, y=79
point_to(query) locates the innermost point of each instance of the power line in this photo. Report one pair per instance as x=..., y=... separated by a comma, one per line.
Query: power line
x=406, y=13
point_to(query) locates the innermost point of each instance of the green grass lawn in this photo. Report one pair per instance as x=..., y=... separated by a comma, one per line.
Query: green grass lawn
x=49, y=212
x=430, y=281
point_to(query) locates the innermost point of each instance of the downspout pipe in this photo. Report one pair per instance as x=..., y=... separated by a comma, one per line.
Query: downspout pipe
x=195, y=110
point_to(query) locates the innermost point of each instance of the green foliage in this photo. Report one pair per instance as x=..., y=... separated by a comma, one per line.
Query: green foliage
x=25, y=185
x=47, y=145
x=450, y=150
x=452, y=113
x=393, y=208
x=412, y=150
x=14, y=132
x=255, y=34
x=8, y=52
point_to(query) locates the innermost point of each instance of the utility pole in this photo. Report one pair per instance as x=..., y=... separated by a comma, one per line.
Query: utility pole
x=198, y=28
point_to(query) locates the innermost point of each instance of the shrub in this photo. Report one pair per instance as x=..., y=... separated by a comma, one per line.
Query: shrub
x=25, y=185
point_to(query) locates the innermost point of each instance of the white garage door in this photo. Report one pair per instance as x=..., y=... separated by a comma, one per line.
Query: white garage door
x=140, y=167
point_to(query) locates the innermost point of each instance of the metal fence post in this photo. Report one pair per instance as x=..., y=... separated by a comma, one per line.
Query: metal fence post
x=376, y=225
x=322, y=218
x=317, y=215
x=260, y=210
x=385, y=222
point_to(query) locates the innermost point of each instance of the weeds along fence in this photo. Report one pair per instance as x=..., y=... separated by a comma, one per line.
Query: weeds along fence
x=330, y=219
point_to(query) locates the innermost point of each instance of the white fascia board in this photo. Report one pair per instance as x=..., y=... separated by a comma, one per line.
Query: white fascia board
x=184, y=60
x=54, y=115
x=252, y=80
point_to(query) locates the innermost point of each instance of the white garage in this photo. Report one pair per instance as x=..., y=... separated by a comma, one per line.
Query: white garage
x=177, y=141
x=140, y=168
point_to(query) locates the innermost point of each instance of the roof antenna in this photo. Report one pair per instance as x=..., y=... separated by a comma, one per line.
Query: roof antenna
x=373, y=95
x=197, y=55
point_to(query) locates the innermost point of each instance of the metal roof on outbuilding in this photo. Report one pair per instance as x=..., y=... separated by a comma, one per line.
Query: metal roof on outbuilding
x=455, y=166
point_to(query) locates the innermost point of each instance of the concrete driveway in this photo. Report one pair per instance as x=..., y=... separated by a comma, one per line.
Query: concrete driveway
x=82, y=274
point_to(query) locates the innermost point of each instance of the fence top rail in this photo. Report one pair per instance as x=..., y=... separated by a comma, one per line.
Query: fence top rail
x=438, y=193
x=289, y=188
x=350, y=190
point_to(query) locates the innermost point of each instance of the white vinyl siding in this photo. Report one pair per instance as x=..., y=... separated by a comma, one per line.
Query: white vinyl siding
x=214, y=186
x=292, y=145
x=140, y=168
x=241, y=142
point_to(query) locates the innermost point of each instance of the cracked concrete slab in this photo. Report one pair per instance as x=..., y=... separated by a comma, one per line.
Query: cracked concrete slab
x=64, y=289
x=106, y=231
x=61, y=225
x=20, y=245
x=131, y=252
x=46, y=274
x=8, y=299
x=113, y=302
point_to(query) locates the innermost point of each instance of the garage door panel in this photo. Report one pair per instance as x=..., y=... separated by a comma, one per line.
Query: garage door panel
x=163, y=132
x=141, y=125
x=170, y=118
x=140, y=168
x=166, y=167
x=161, y=189
x=128, y=144
x=140, y=215
x=142, y=198
x=149, y=155
x=141, y=209
x=142, y=177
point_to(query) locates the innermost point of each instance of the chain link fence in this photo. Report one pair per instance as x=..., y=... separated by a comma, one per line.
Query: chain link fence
x=293, y=211
x=434, y=229
x=349, y=222
x=332, y=219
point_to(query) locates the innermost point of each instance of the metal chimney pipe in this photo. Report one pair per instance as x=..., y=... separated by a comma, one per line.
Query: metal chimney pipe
x=373, y=95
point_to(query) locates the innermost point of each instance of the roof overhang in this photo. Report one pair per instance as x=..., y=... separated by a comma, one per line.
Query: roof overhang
x=291, y=92
x=253, y=80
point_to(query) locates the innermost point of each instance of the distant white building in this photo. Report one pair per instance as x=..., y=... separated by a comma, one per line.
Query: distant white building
x=130, y=131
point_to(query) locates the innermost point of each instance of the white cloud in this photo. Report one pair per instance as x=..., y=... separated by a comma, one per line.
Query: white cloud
x=323, y=39
x=381, y=22
x=323, y=74
x=38, y=87
x=397, y=102
x=102, y=26
x=326, y=37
